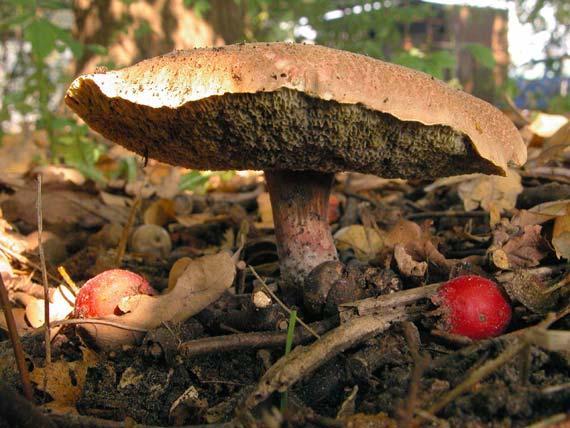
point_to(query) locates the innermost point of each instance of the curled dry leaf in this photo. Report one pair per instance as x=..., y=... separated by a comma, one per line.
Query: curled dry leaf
x=407, y=265
x=364, y=241
x=529, y=290
x=492, y=193
x=177, y=270
x=203, y=282
x=561, y=236
x=413, y=248
x=552, y=209
x=517, y=247
x=60, y=307
x=560, y=212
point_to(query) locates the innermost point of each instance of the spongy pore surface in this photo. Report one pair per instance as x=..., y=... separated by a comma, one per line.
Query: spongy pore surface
x=283, y=129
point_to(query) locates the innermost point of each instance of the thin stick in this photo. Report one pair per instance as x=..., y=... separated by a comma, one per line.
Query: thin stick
x=71, y=284
x=19, y=412
x=73, y=321
x=429, y=214
x=283, y=305
x=420, y=364
x=489, y=367
x=16, y=344
x=249, y=341
x=24, y=260
x=47, y=334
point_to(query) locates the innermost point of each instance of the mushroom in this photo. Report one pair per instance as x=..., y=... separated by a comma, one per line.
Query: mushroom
x=300, y=113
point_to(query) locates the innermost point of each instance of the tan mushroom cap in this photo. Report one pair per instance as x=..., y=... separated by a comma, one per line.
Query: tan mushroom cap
x=295, y=106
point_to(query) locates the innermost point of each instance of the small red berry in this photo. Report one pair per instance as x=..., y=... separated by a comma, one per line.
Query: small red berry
x=100, y=296
x=474, y=307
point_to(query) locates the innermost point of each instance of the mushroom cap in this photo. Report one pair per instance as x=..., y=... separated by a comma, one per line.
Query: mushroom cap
x=298, y=107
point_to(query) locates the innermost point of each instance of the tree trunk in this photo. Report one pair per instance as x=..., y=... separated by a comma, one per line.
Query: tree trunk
x=141, y=29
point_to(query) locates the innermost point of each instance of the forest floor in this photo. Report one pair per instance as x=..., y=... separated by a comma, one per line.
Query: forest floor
x=379, y=357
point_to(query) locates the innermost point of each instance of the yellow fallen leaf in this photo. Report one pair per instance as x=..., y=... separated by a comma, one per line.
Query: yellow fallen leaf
x=160, y=212
x=494, y=194
x=65, y=379
x=545, y=125
x=364, y=241
x=552, y=209
x=265, y=211
x=561, y=236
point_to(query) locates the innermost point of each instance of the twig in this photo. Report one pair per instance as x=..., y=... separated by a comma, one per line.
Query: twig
x=515, y=109
x=47, y=334
x=81, y=421
x=127, y=229
x=283, y=305
x=420, y=364
x=16, y=344
x=489, y=367
x=373, y=305
x=25, y=261
x=18, y=412
x=71, y=284
x=555, y=388
x=430, y=214
x=251, y=341
x=428, y=416
x=73, y=321
x=303, y=360
x=551, y=421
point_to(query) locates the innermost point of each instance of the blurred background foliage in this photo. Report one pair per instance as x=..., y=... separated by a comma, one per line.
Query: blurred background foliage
x=45, y=43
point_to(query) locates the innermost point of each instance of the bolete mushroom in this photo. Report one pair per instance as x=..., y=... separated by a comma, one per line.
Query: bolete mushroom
x=300, y=113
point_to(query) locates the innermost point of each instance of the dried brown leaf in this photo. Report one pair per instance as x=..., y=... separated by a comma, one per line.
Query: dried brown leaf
x=406, y=264
x=561, y=236
x=203, y=281
x=65, y=379
x=529, y=290
x=492, y=193
x=517, y=247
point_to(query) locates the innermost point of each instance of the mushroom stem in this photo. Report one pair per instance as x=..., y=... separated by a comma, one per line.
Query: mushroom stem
x=300, y=200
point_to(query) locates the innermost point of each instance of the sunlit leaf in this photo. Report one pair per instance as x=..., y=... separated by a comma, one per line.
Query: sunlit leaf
x=482, y=54
x=41, y=34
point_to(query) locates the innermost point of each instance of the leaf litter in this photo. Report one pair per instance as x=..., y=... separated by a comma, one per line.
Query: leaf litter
x=206, y=351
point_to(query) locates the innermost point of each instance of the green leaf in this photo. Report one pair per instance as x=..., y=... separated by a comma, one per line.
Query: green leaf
x=24, y=3
x=15, y=21
x=97, y=49
x=193, y=180
x=482, y=54
x=200, y=7
x=42, y=35
x=142, y=30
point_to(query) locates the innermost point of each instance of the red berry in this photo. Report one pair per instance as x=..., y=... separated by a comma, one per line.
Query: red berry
x=100, y=296
x=474, y=307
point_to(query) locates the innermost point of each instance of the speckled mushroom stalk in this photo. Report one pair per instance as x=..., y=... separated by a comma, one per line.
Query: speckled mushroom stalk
x=300, y=200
